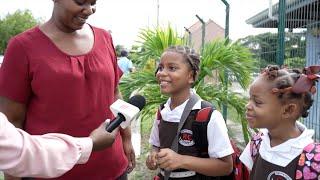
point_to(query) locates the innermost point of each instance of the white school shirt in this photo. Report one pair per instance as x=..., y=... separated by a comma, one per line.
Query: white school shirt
x=217, y=132
x=281, y=154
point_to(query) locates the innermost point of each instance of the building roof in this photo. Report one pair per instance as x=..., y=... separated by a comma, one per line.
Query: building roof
x=299, y=13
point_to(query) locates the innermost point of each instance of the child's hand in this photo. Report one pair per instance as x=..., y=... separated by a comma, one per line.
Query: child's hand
x=151, y=161
x=169, y=160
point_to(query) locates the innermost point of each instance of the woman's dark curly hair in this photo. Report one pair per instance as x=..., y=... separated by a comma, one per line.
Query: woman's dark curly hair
x=284, y=80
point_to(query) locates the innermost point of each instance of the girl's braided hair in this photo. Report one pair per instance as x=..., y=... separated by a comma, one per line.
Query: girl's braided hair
x=284, y=80
x=190, y=55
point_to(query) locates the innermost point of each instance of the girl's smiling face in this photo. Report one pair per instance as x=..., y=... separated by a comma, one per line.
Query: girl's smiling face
x=264, y=109
x=174, y=73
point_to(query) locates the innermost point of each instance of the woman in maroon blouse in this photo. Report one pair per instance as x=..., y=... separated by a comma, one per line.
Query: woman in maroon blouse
x=62, y=76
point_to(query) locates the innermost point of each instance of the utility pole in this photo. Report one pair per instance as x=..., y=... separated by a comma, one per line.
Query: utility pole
x=281, y=32
x=189, y=38
x=203, y=32
x=226, y=36
x=226, y=31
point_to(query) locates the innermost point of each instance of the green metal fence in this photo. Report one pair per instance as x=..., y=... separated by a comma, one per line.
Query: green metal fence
x=297, y=43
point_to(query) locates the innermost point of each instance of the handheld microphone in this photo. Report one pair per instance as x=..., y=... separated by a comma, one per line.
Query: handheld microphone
x=125, y=111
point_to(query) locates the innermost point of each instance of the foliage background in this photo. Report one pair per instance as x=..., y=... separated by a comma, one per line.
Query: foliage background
x=264, y=48
x=217, y=57
x=13, y=24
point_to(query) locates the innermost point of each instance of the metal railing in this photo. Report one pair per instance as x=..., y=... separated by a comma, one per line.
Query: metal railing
x=297, y=43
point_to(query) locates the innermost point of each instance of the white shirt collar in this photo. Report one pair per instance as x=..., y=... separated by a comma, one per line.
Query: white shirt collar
x=175, y=115
x=284, y=153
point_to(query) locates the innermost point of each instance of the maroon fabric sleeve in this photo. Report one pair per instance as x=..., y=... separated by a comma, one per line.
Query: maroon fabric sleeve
x=118, y=72
x=14, y=74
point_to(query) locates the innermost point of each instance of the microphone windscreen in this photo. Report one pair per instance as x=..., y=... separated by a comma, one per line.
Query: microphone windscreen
x=138, y=101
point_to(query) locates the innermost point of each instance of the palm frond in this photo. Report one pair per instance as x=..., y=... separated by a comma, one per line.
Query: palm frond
x=144, y=83
x=154, y=41
x=136, y=81
x=217, y=94
x=224, y=56
x=218, y=55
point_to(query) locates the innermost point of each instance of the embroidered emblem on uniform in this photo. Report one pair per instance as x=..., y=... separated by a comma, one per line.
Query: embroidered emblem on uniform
x=278, y=175
x=185, y=138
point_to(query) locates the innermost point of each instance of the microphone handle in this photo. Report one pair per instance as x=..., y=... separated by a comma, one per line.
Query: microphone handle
x=115, y=123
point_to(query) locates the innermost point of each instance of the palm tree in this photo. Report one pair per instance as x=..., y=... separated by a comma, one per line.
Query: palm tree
x=218, y=55
x=154, y=42
x=222, y=55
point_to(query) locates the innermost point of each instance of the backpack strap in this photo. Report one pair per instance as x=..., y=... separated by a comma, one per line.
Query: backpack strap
x=199, y=128
x=255, y=145
x=187, y=110
x=205, y=112
x=159, y=117
x=308, y=166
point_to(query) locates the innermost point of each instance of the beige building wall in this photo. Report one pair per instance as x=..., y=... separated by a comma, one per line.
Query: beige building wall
x=213, y=31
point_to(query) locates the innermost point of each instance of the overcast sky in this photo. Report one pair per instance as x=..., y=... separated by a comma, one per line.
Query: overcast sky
x=125, y=18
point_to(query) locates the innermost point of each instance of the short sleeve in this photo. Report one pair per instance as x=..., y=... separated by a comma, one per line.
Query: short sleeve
x=130, y=65
x=117, y=71
x=218, y=139
x=154, y=135
x=14, y=73
x=111, y=50
x=246, y=158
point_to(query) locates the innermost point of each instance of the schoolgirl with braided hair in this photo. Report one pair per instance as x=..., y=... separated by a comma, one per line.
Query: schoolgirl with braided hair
x=278, y=99
x=176, y=74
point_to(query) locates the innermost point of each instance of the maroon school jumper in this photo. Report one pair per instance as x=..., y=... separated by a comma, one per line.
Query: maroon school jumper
x=65, y=94
x=263, y=169
x=167, y=133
